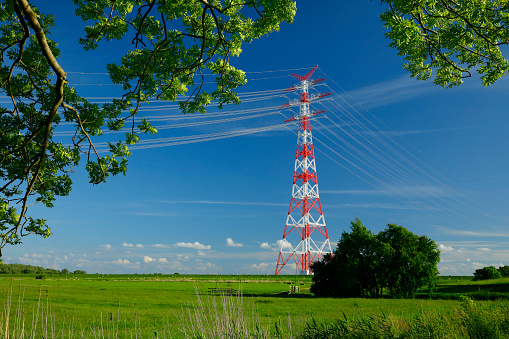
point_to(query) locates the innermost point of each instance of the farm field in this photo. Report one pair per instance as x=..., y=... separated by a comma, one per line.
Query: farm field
x=147, y=304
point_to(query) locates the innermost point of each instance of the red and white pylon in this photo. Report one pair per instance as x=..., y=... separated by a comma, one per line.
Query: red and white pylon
x=305, y=215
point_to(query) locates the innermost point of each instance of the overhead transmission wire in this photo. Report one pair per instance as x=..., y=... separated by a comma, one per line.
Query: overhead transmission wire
x=243, y=114
x=378, y=151
x=407, y=181
x=407, y=160
x=426, y=172
x=395, y=178
x=205, y=74
x=357, y=167
x=189, y=124
x=190, y=139
x=415, y=202
x=405, y=198
x=384, y=164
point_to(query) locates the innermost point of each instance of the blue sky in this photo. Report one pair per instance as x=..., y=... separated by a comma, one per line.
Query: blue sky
x=390, y=150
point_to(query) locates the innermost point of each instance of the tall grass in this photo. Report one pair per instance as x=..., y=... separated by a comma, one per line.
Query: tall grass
x=475, y=320
x=230, y=317
x=224, y=316
x=43, y=324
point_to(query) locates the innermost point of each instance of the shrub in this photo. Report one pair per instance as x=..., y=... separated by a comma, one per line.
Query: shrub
x=504, y=270
x=486, y=273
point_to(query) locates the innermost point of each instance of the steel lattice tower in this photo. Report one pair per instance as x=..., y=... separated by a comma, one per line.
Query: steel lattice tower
x=305, y=214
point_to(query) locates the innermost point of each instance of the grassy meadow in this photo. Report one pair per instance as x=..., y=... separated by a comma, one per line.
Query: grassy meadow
x=148, y=306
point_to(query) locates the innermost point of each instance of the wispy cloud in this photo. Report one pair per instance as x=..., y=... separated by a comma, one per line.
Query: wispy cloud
x=195, y=245
x=130, y=245
x=412, y=132
x=209, y=202
x=231, y=243
x=152, y=214
x=263, y=266
x=392, y=91
x=161, y=246
x=470, y=233
x=442, y=247
x=382, y=206
x=121, y=262
x=265, y=245
x=406, y=191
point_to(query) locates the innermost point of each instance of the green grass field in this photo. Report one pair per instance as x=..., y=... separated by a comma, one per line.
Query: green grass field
x=148, y=304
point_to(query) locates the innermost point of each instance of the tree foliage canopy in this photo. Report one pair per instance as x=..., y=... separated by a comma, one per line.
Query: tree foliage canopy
x=486, y=273
x=173, y=44
x=504, y=271
x=394, y=262
x=452, y=38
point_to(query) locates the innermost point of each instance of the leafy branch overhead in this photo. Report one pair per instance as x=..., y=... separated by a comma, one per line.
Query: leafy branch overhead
x=452, y=38
x=172, y=44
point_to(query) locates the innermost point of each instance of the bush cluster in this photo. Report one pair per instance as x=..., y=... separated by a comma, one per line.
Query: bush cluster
x=476, y=320
x=29, y=269
x=394, y=262
x=486, y=273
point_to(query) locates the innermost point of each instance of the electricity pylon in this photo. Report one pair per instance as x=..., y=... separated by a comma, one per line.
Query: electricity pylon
x=305, y=215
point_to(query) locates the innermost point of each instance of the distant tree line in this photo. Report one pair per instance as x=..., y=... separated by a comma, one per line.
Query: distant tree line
x=29, y=269
x=394, y=263
x=491, y=272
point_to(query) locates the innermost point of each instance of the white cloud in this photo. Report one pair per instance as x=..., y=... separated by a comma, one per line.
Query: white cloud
x=483, y=249
x=284, y=244
x=445, y=248
x=477, y=265
x=195, y=245
x=162, y=260
x=231, y=243
x=208, y=267
x=161, y=246
x=121, y=262
x=107, y=247
x=148, y=259
x=265, y=245
x=130, y=245
x=263, y=266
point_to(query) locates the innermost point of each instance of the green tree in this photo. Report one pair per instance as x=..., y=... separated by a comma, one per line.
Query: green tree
x=504, y=271
x=451, y=38
x=328, y=272
x=411, y=262
x=173, y=43
x=395, y=262
x=486, y=273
